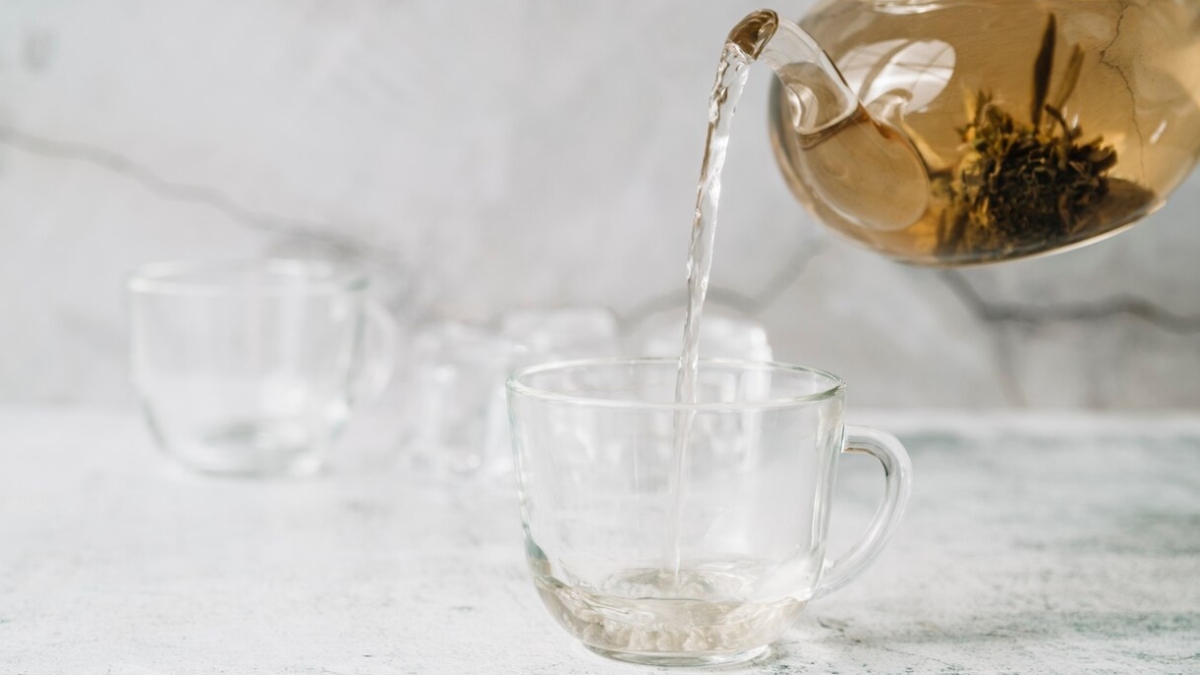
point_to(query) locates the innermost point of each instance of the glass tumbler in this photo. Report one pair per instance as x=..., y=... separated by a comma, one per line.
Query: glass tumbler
x=459, y=425
x=253, y=368
x=665, y=533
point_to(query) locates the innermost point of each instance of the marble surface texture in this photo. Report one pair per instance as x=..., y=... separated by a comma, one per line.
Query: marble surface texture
x=1052, y=544
x=482, y=156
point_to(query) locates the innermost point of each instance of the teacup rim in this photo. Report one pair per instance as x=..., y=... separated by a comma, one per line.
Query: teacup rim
x=170, y=276
x=514, y=385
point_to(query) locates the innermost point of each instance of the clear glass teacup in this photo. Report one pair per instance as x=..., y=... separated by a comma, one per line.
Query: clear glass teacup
x=252, y=368
x=707, y=563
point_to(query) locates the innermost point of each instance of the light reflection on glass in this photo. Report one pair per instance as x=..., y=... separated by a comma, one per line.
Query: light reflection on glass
x=919, y=70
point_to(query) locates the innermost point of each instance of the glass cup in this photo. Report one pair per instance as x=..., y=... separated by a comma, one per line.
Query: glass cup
x=562, y=333
x=253, y=368
x=699, y=557
x=722, y=337
x=458, y=421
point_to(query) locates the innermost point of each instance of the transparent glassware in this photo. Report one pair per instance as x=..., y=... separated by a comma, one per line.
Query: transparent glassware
x=721, y=337
x=459, y=425
x=253, y=368
x=709, y=565
x=561, y=333
x=954, y=132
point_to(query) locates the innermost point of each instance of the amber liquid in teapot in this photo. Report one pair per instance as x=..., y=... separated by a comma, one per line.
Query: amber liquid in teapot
x=950, y=132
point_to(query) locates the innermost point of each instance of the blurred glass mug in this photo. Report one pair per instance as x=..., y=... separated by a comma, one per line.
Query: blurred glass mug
x=252, y=368
x=720, y=574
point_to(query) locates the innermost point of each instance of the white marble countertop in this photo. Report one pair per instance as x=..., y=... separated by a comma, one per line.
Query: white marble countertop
x=1032, y=545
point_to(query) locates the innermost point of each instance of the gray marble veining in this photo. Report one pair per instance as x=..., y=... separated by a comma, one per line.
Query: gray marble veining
x=481, y=156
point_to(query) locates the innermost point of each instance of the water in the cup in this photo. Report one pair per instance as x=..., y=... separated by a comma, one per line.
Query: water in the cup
x=732, y=73
x=709, y=609
x=687, y=609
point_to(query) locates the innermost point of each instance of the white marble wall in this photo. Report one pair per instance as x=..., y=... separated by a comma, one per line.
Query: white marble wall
x=486, y=155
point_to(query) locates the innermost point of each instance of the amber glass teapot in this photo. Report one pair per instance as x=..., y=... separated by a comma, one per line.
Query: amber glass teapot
x=953, y=132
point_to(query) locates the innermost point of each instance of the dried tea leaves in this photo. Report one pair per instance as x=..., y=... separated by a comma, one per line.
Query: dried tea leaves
x=1024, y=185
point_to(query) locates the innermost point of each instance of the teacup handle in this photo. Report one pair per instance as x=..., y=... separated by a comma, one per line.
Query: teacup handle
x=897, y=472
x=378, y=354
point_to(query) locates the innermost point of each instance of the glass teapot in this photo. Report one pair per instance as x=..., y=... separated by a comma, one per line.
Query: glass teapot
x=953, y=132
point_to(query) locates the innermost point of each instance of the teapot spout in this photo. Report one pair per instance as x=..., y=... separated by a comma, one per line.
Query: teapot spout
x=839, y=150
x=819, y=95
x=753, y=33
